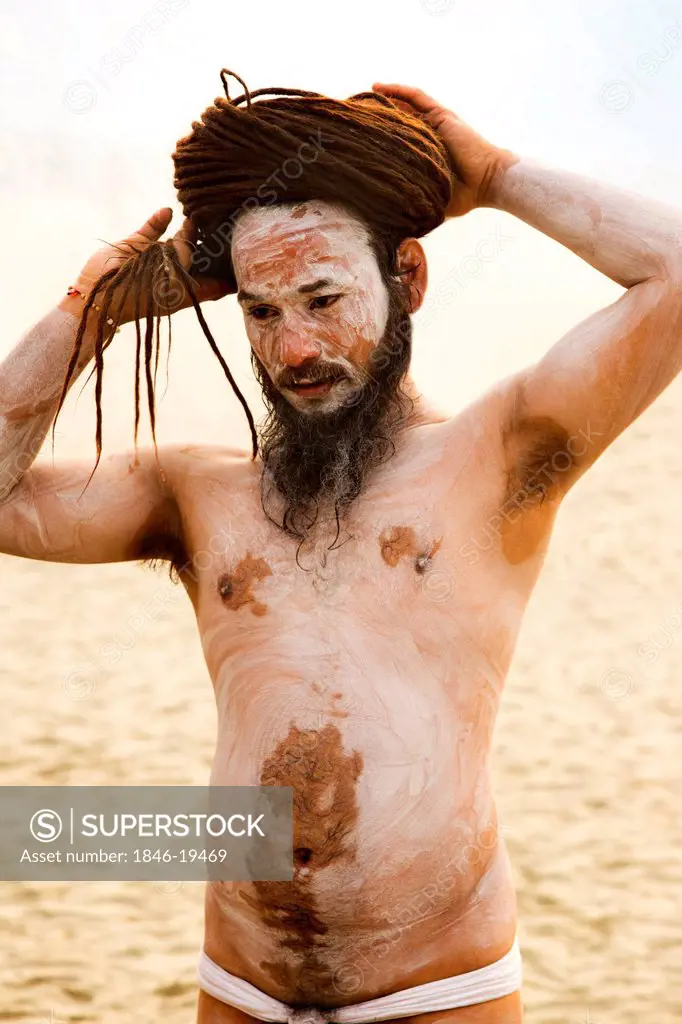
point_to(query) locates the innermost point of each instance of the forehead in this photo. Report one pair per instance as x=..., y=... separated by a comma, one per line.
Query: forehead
x=285, y=244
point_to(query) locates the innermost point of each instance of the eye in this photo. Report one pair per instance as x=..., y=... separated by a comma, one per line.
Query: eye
x=324, y=301
x=262, y=312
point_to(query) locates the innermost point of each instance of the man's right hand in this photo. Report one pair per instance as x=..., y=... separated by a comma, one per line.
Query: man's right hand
x=169, y=293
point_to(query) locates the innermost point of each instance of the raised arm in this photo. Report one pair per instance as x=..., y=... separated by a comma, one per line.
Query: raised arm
x=128, y=510
x=606, y=371
x=597, y=379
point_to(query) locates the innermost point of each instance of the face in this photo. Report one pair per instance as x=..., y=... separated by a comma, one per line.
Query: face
x=331, y=341
x=314, y=304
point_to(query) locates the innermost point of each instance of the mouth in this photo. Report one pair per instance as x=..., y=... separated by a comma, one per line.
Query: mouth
x=316, y=388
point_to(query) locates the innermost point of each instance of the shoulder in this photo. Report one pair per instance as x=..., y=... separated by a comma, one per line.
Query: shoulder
x=204, y=452
x=507, y=443
x=180, y=461
x=481, y=431
x=197, y=474
x=187, y=472
x=514, y=463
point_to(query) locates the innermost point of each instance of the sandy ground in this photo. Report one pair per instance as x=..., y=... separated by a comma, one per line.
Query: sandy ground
x=587, y=762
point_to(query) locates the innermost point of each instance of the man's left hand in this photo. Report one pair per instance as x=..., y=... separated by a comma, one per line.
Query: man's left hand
x=475, y=160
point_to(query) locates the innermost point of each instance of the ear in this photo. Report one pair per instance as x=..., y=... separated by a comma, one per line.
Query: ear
x=411, y=262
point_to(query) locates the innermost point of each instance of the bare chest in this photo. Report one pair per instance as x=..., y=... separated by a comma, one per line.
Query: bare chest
x=399, y=566
x=393, y=549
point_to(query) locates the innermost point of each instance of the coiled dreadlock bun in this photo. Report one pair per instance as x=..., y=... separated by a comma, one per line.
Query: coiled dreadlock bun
x=389, y=166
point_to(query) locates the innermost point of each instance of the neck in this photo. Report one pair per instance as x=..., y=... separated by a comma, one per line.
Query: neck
x=424, y=411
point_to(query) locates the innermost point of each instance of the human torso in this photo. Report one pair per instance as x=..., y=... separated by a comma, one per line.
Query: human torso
x=368, y=678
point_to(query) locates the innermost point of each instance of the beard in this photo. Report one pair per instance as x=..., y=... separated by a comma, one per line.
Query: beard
x=319, y=461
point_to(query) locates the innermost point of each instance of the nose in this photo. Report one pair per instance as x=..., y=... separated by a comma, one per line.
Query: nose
x=297, y=346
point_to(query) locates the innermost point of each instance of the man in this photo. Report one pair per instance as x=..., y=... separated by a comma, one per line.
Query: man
x=357, y=633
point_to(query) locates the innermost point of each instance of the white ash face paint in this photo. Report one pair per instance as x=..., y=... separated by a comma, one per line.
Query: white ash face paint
x=279, y=249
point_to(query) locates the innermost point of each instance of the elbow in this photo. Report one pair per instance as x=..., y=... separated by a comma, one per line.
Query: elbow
x=671, y=268
x=667, y=296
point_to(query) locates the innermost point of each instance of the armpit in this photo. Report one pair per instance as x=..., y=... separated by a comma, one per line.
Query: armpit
x=539, y=460
x=540, y=468
x=161, y=540
x=542, y=459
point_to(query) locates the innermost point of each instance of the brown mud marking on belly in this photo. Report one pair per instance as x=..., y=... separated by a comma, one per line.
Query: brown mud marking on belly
x=323, y=778
x=235, y=587
x=400, y=542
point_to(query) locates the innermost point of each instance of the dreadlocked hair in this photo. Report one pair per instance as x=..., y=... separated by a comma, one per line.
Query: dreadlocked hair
x=386, y=165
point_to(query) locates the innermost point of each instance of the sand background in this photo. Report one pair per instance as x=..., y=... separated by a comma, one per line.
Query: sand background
x=587, y=749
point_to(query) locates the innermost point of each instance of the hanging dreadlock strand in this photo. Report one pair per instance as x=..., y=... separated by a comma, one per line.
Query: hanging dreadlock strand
x=99, y=365
x=138, y=348
x=125, y=276
x=158, y=349
x=148, y=340
x=216, y=351
x=168, y=351
x=78, y=343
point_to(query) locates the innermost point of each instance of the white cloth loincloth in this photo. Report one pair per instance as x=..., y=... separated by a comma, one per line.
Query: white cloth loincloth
x=480, y=986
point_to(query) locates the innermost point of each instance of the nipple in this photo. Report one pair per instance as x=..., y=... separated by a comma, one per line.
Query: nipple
x=422, y=561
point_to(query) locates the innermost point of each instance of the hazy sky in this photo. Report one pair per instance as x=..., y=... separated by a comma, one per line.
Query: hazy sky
x=94, y=96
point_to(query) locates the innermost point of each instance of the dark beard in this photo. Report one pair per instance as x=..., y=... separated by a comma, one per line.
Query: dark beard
x=320, y=461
